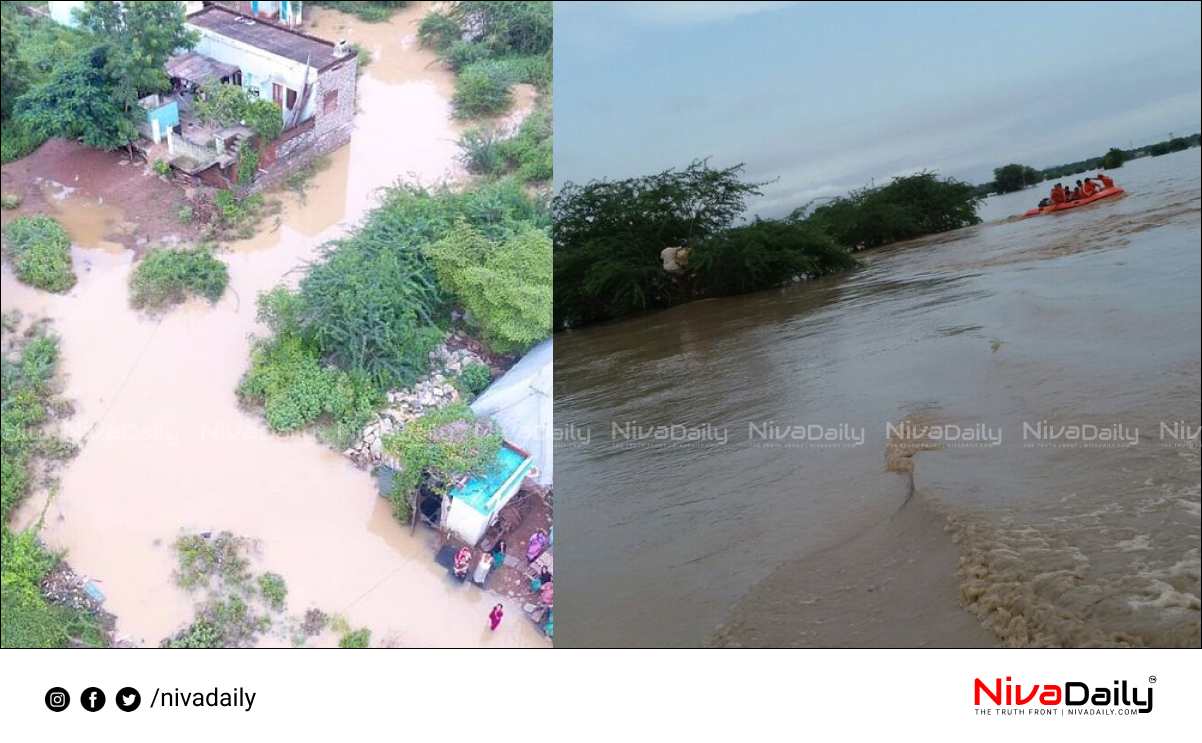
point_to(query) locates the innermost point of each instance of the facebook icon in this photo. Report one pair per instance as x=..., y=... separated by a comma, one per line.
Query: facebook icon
x=92, y=699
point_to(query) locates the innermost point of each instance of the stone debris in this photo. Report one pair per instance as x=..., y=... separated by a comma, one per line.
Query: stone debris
x=435, y=390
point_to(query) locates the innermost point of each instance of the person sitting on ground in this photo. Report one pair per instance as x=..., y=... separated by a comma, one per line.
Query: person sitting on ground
x=463, y=560
x=1058, y=194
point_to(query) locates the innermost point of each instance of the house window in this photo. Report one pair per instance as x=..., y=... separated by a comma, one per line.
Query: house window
x=277, y=94
x=329, y=102
x=291, y=99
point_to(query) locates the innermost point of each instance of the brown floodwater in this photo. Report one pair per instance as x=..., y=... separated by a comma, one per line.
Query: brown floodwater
x=744, y=526
x=166, y=448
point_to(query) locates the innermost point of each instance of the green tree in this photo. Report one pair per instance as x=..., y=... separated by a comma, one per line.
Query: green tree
x=1114, y=158
x=1014, y=177
x=80, y=99
x=609, y=234
x=906, y=208
x=14, y=72
x=147, y=33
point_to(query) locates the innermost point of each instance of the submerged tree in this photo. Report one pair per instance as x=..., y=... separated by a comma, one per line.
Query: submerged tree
x=609, y=234
x=1114, y=158
x=908, y=207
x=1014, y=177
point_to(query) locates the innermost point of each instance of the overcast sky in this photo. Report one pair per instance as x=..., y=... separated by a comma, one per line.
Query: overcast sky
x=826, y=97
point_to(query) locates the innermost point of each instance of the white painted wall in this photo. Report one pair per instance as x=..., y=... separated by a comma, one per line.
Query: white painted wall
x=259, y=67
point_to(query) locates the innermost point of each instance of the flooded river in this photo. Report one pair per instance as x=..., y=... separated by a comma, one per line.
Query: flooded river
x=1056, y=357
x=166, y=447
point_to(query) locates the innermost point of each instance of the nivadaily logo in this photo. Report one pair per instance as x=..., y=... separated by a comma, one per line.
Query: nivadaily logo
x=1066, y=698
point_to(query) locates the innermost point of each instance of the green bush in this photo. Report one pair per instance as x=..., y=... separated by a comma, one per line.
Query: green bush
x=41, y=253
x=438, y=31
x=295, y=389
x=505, y=285
x=475, y=378
x=274, y=590
x=480, y=151
x=166, y=277
x=360, y=638
x=528, y=152
x=1114, y=158
x=248, y=162
x=371, y=11
x=764, y=254
x=162, y=167
x=908, y=207
x=368, y=312
x=483, y=89
x=17, y=140
x=10, y=201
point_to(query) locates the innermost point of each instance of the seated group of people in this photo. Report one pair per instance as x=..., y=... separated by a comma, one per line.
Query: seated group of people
x=1083, y=190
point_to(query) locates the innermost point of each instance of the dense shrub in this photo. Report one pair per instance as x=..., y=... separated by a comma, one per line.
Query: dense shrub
x=528, y=153
x=505, y=285
x=371, y=11
x=609, y=234
x=296, y=389
x=274, y=590
x=169, y=276
x=482, y=89
x=475, y=378
x=17, y=140
x=360, y=638
x=367, y=313
x=40, y=251
x=491, y=46
x=906, y=208
x=764, y=254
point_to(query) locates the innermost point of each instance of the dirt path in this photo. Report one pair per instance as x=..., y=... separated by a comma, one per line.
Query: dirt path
x=167, y=449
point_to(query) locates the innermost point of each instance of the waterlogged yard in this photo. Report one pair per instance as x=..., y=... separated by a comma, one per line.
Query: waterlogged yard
x=194, y=491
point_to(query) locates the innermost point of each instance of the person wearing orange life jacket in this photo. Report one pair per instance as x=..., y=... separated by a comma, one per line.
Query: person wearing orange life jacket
x=1087, y=188
x=1058, y=194
x=1107, y=181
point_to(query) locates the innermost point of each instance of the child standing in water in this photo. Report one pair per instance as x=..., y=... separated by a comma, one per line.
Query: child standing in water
x=494, y=617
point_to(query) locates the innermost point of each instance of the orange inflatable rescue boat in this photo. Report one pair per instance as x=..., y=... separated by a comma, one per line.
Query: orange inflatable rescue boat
x=1105, y=193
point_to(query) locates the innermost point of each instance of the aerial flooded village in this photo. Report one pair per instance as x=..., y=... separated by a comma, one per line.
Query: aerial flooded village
x=308, y=245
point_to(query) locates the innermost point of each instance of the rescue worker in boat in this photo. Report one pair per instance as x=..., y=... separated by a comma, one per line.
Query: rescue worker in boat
x=1076, y=192
x=1106, y=181
x=1058, y=194
x=1087, y=188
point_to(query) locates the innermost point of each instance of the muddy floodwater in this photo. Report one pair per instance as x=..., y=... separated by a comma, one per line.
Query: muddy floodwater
x=1056, y=357
x=165, y=447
